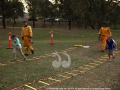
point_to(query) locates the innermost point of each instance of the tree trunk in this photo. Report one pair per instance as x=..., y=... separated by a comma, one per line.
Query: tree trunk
x=3, y=14
x=115, y=26
x=44, y=24
x=69, y=23
x=33, y=23
x=14, y=21
x=99, y=24
x=3, y=22
x=92, y=26
x=52, y=22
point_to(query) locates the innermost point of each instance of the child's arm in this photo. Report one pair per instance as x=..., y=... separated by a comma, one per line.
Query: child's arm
x=16, y=42
x=115, y=44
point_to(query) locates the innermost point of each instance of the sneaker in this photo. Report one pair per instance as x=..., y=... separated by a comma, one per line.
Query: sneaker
x=13, y=60
x=32, y=42
x=102, y=50
x=114, y=57
x=26, y=54
x=32, y=51
x=109, y=59
x=25, y=59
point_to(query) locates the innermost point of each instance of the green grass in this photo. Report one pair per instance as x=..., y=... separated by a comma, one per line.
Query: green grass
x=17, y=74
x=116, y=86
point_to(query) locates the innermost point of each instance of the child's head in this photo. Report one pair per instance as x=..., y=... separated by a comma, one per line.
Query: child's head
x=13, y=36
x=109, y=36
x=25, y=23
x=105, y=24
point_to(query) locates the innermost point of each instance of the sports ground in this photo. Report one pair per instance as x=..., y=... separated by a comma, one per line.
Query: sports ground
x=88, y=67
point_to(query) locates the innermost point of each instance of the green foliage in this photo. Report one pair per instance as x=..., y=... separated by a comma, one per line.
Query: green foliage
x=14, y=9
x=10, y=9
x=88, y=12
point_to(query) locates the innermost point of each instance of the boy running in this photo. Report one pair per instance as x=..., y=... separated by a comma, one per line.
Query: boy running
x=111, y=45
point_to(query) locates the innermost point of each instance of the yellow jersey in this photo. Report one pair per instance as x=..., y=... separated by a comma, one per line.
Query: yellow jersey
x=26, y=31
x=104, y=31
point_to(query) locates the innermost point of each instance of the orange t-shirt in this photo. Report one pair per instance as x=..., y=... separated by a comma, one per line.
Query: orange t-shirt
x=104, y=31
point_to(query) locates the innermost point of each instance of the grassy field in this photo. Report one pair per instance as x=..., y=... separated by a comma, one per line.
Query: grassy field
x=15, y=74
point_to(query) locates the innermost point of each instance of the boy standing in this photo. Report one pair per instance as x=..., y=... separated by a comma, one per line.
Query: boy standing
x=17, y=46
x=111, y=45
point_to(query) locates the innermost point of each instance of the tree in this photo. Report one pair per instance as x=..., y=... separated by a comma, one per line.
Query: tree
x=52, y=11
x=45, y=10
x=16, y=8
x=10, y=9
x=2, y=2
x=65, y=7
x=114, y=16
x=94, y=12
x=32, y=9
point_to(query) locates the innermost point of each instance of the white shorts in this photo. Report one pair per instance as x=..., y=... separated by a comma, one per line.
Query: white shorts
x=19, y=47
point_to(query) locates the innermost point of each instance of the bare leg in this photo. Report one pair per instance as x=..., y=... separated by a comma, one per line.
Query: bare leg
x=113, y=56
x=14, y=56
x=109, y=56
x=20, y=51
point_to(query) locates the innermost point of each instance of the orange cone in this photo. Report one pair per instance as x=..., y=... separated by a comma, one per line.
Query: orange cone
x=9, y=41
x=51, y=38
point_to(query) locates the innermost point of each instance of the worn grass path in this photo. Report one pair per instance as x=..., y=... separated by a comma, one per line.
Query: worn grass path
x=59, y=78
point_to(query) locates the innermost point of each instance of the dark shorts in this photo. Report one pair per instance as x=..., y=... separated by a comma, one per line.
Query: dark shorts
x=110, y=52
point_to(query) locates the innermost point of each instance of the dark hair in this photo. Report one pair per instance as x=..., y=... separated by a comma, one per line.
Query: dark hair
x=104, y=24
x=13, y=36
x=24, y=21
